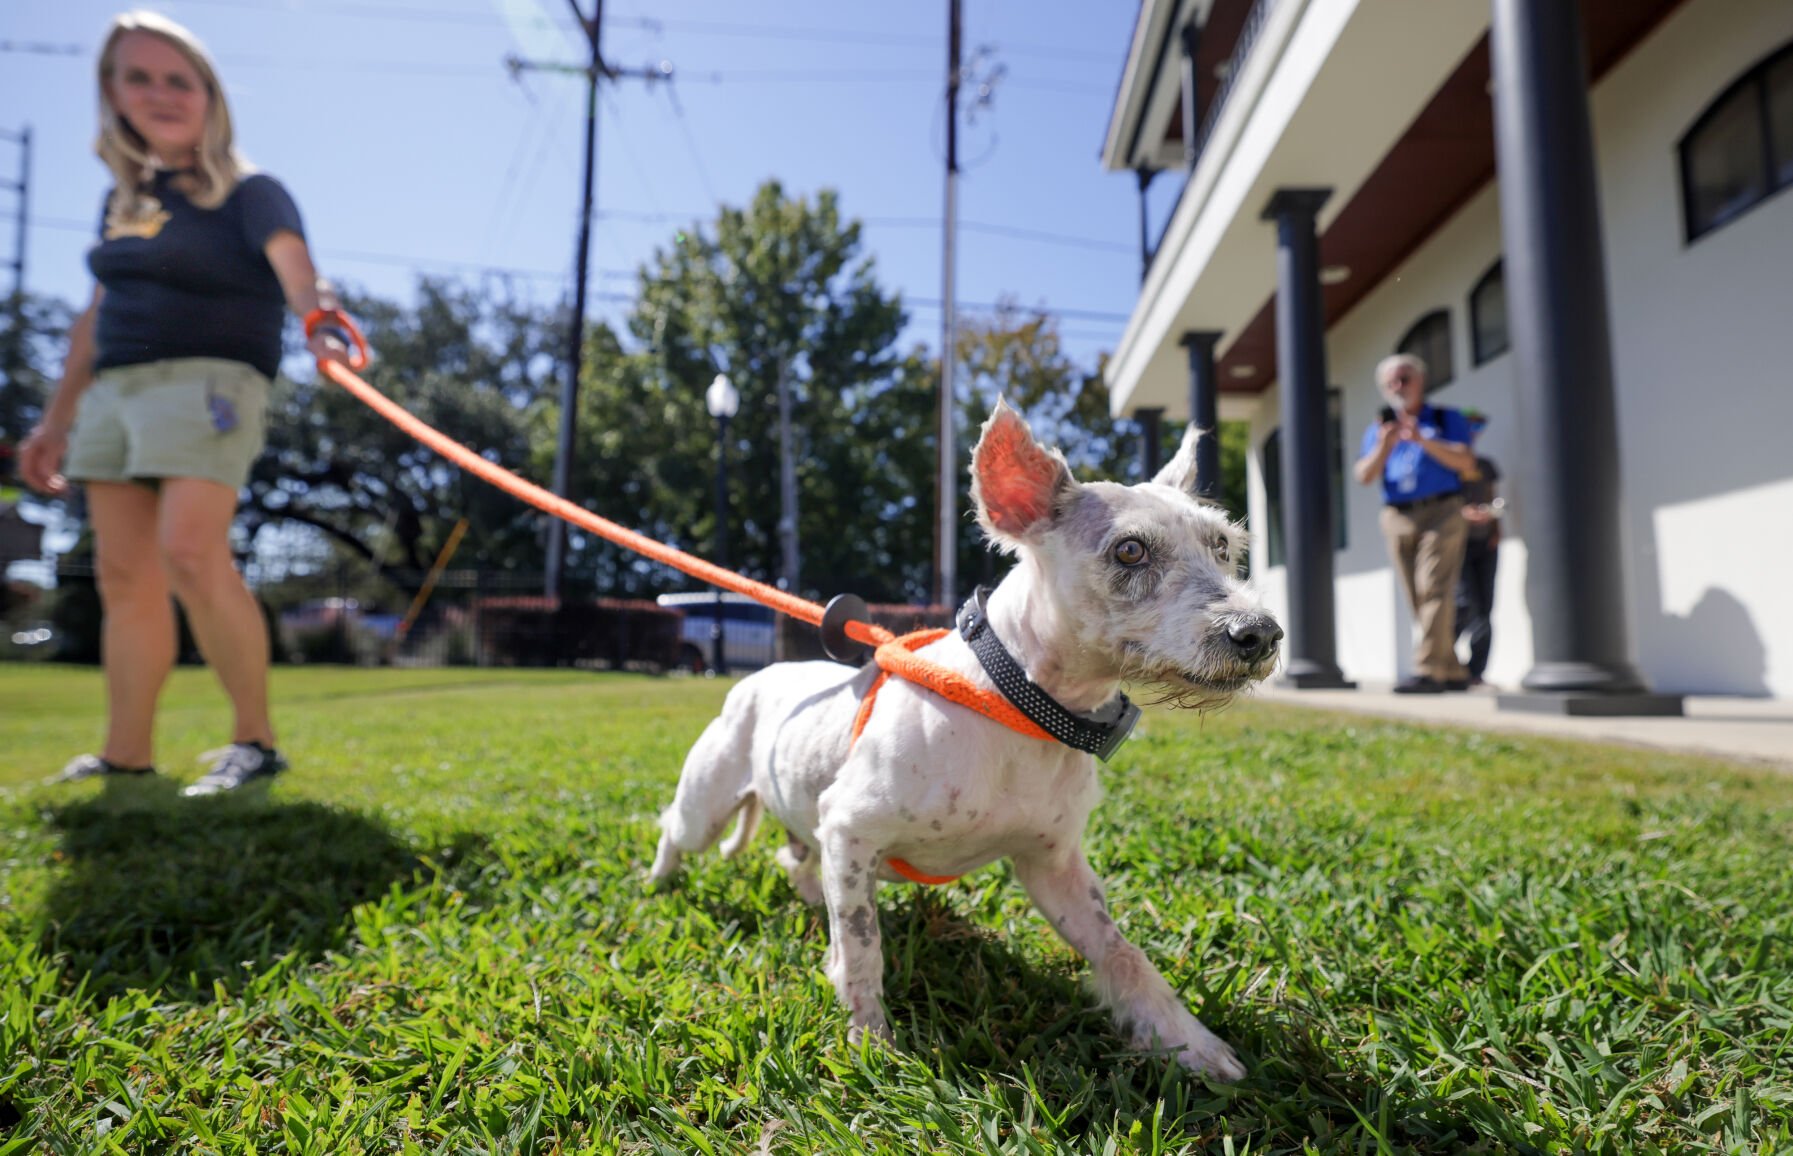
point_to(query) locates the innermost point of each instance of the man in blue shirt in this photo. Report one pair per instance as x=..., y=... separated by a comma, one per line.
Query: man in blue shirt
x=1418, y=452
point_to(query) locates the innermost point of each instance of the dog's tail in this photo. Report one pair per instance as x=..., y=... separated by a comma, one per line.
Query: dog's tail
x=747, y=821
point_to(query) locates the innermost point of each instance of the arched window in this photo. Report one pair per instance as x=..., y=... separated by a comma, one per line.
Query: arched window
x=1740, y=151
x=1488, y=315
x=1430, y=341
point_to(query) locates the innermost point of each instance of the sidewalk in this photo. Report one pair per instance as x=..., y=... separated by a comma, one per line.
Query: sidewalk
x=1747, y=729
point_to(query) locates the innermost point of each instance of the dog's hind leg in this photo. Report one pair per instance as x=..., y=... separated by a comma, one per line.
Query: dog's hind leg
x=717, y=781
x=801, y=864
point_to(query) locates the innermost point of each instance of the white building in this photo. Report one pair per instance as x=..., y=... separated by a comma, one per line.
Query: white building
x=1392, y=107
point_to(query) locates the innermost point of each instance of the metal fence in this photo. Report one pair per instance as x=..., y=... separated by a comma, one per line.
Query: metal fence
x=346, y=611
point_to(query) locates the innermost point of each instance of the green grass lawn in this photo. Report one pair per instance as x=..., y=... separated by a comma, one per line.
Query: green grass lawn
x=432, y=937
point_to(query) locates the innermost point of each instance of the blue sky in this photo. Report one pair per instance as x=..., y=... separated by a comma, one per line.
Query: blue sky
x=409, y=147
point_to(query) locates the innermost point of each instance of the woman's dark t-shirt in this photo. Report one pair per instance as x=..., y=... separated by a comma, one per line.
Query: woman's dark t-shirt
x=183, y=281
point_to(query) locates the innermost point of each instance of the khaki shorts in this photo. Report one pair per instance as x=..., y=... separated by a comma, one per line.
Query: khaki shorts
x=189, y=417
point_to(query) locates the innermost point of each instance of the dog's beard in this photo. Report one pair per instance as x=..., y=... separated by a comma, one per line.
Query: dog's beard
x=1209, y=683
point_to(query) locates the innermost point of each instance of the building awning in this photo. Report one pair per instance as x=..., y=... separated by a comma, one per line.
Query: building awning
x=1388, y=105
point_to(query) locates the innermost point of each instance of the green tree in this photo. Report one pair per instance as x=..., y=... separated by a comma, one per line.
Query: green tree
x=33, y=332
x=780, y=286
x=1017, y=353
x=471, y=362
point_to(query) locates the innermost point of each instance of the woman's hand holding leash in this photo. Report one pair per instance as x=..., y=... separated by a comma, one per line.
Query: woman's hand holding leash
x=329, y=345
x=333, y=337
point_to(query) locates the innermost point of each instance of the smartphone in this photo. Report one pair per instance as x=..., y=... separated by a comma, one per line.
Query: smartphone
x=1388, y=414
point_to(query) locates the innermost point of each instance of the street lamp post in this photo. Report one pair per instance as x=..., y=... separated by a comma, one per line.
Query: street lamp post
x=722, y=400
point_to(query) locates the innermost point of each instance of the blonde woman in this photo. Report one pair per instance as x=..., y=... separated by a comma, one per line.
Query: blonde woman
x=163, y=395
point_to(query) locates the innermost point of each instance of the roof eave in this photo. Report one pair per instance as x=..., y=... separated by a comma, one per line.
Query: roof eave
x=1156, y=22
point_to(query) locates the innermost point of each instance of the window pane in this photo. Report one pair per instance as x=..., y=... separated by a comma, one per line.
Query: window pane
x=1780, y=117
x=1488, y=315
x=1724, y=161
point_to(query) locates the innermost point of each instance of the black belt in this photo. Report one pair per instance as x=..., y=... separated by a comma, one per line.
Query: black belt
x=1417, y=503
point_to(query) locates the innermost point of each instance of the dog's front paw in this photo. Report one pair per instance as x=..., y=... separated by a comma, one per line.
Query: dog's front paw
x=877, y=1032
x=1216, y=1059
x=1196, y=1048
x=666, y=865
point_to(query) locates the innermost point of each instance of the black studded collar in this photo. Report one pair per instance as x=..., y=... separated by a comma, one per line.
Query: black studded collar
x=1100, y=732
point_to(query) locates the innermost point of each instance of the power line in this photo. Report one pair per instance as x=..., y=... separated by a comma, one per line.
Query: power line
x=811, y=34
x=697, y=160
x=1017, y=307
x=414, y=15
x=656, y=216
x=385, y=66
x=1044, y=236
x=813, y=76
x=616, y=127
x=521, y=153
x=823, y=35
x=371, y=257
x=40, y=48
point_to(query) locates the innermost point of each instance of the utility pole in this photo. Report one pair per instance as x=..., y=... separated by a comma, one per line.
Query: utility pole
x=787, y=481
x=947, y=538
x=23, y=187
x=594, y=71
x=15, y=339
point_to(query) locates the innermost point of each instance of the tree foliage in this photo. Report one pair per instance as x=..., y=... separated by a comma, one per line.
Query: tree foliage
x=473, y=364
x=779, y=287
x=32, y=330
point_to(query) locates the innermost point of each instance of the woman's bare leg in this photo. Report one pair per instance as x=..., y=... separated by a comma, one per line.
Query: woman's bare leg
x=137, y=633
x=226, y=622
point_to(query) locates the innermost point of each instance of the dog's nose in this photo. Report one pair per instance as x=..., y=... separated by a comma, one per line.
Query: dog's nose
x=1255, y=639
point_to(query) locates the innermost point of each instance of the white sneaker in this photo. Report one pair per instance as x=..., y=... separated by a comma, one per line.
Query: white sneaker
x=235, y=767
x=93, y=767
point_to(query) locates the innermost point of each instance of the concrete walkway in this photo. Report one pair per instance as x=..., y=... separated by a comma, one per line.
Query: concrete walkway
x=1747, y=729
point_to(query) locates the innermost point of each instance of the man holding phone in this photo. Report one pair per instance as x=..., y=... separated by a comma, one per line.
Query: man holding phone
x=1419, y=452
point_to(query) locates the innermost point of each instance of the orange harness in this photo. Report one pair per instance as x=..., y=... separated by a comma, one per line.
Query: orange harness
x=893, y=655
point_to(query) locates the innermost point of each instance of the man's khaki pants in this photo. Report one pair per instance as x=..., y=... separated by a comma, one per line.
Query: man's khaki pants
x=1426, y=544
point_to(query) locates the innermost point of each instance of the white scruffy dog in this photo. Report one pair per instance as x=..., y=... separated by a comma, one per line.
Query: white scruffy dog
x=1113, y=583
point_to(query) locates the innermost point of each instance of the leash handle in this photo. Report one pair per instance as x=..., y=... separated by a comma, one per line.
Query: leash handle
x=336, y=319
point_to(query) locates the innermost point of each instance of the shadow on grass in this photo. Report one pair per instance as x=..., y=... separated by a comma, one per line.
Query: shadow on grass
x=173, y=894
x=979, y=1013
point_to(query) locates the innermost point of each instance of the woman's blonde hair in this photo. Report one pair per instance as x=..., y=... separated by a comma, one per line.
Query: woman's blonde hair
x=125, y=151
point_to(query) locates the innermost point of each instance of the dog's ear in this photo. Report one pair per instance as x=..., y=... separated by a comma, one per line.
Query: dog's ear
x=1179, y=473
x=1016, y=483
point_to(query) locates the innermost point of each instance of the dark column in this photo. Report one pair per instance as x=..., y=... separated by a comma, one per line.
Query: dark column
x=1204, y=408
x=718, y=653
x=1311, y=655
x=1192, y=40
x=1145, y=238
x=1562, y=357
x=1151, y=440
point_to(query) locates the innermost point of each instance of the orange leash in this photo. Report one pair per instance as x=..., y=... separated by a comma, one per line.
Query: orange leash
x=893, y=655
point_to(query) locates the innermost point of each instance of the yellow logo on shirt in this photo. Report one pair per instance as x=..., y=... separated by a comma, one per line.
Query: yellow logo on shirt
x=145, y=220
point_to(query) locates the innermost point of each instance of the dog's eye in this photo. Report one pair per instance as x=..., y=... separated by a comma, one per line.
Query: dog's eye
x=1129, y=552
x=1222, y=551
